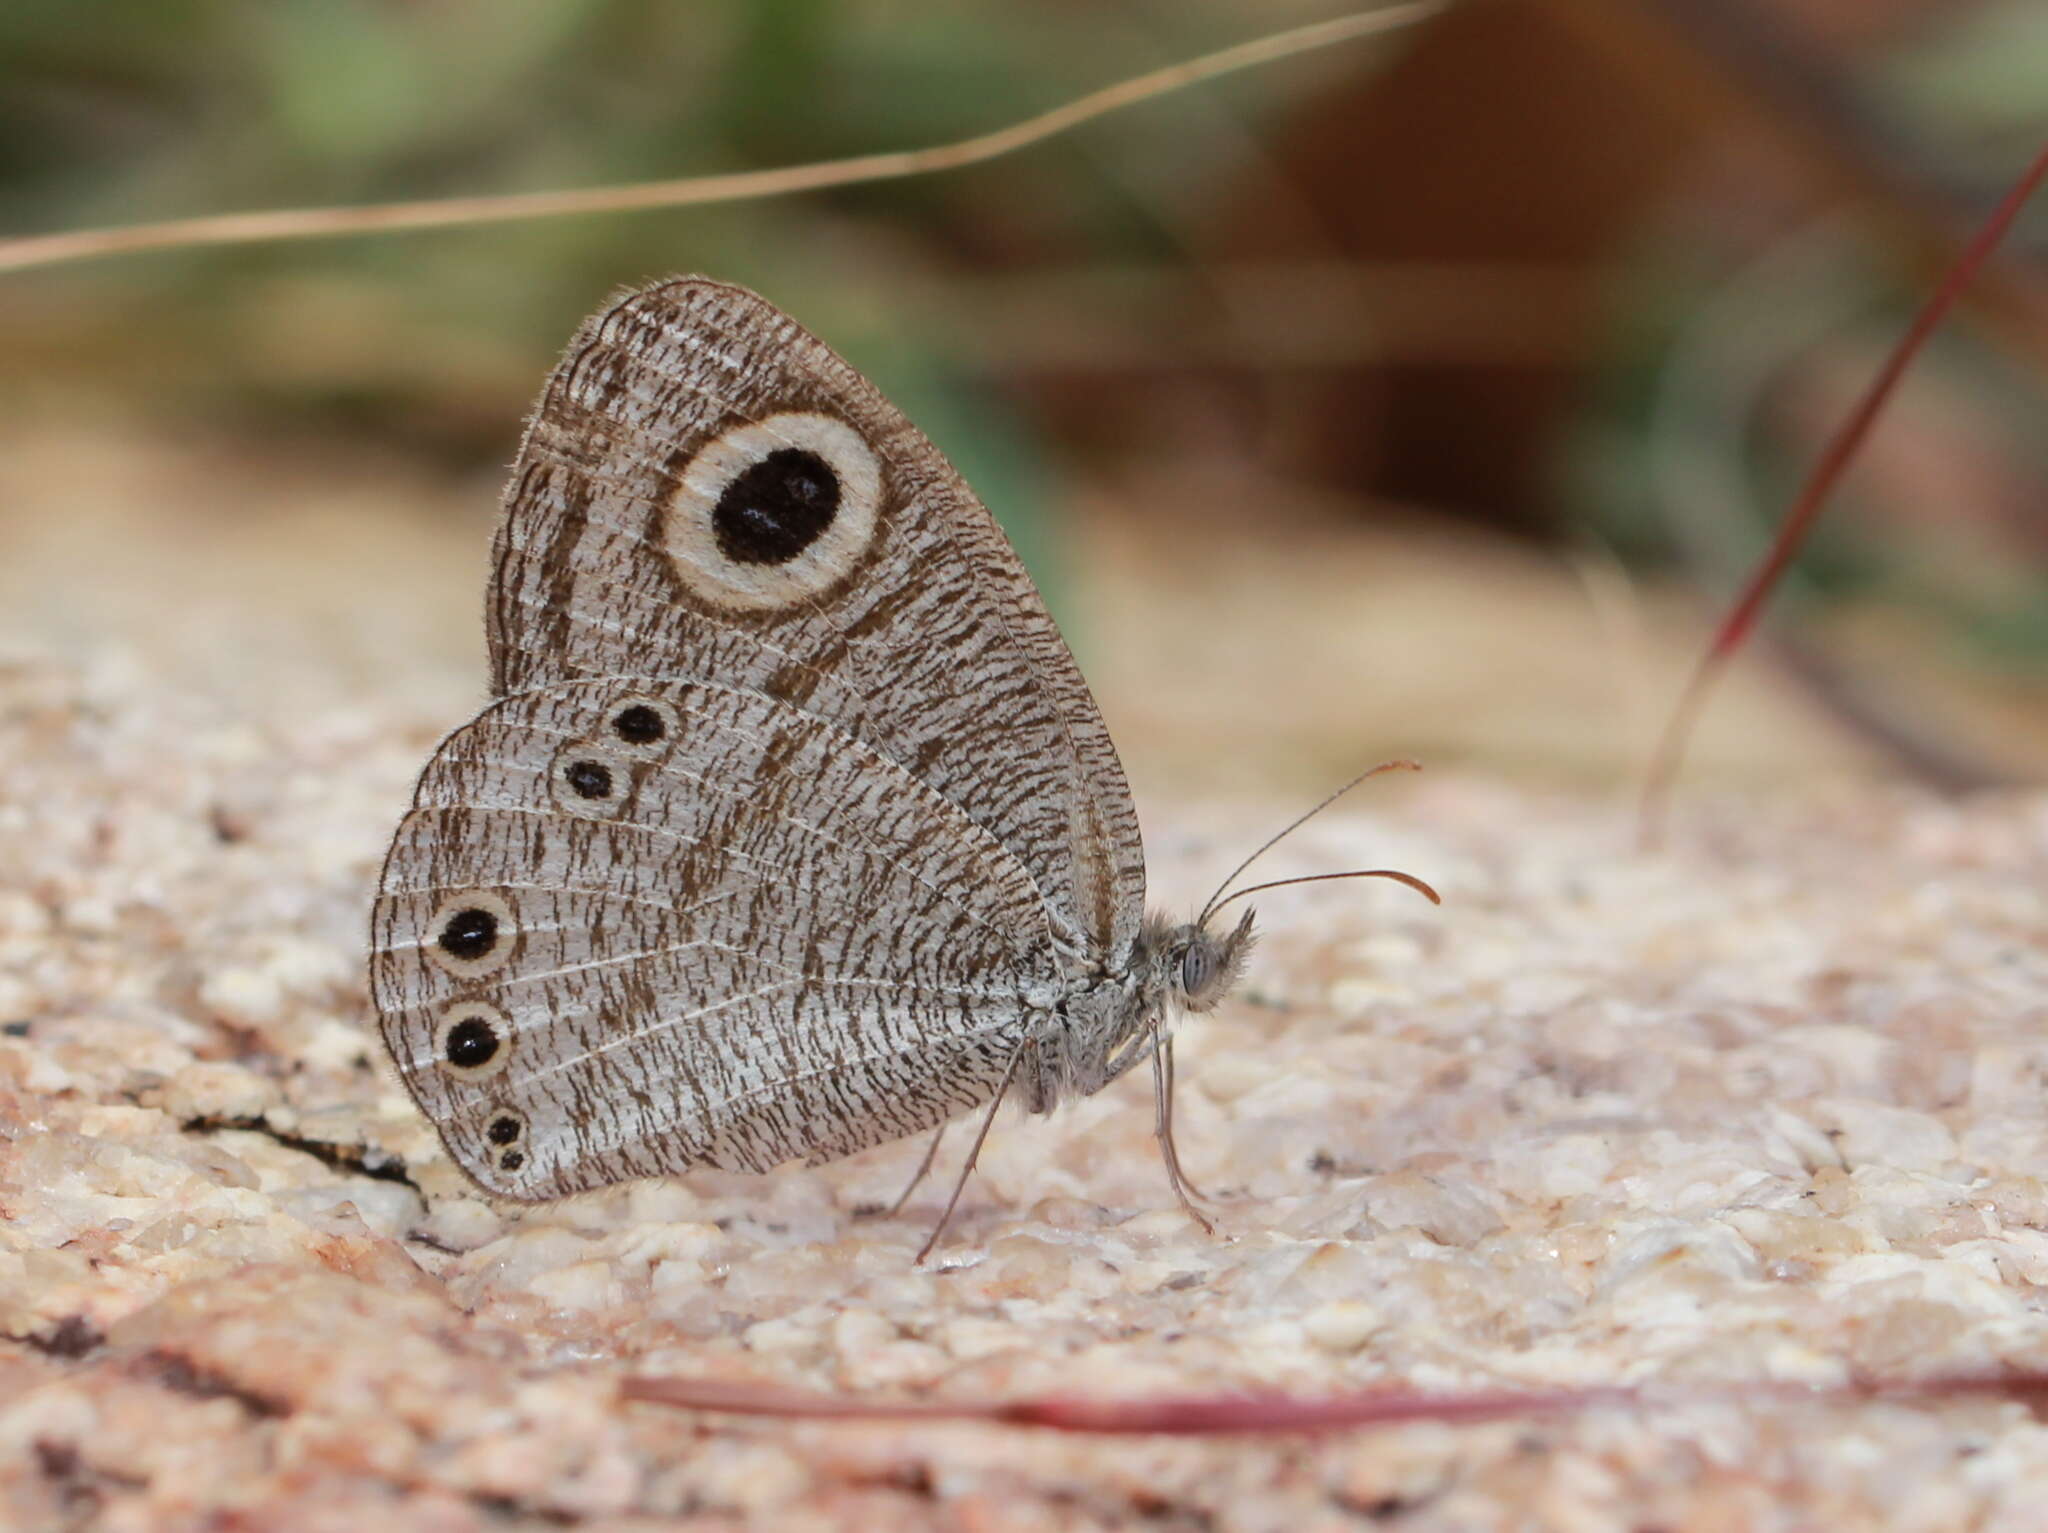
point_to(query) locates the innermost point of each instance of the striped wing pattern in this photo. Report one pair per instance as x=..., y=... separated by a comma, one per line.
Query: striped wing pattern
x=708, y=962
x=778, y=843
x=937, y=651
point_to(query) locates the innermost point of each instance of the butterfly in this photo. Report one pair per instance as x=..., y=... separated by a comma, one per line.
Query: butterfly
x=793, y=828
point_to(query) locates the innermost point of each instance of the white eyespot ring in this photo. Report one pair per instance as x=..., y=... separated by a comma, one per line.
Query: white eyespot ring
x=472, y=1041
x=470, y=934
x=589, y=780
x=773, y=513
x=641, y=726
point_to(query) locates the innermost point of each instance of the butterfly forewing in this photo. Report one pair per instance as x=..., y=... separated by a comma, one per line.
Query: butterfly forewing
x=631, y=927
x=707, y=490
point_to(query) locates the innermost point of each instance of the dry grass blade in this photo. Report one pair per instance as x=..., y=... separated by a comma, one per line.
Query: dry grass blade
x=1835, y=458
x=377, y=218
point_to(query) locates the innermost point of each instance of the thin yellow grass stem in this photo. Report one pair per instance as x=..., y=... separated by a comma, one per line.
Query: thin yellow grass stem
x=377, y=218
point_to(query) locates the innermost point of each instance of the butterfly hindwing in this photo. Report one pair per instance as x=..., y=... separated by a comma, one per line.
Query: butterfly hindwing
x=631, y=927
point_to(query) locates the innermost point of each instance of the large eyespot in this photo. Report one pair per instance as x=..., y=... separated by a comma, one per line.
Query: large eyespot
x=473, y=1041
x=1196, y=967
x=470, y=934
x=642, y=726
x=590, y=780
x=774, y=512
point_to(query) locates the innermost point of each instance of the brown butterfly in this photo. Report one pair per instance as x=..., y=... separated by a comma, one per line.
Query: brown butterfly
x=794, y=828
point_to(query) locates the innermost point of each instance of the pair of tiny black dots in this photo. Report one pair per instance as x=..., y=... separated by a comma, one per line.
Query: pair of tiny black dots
x=636, y=724
x=505, y=1129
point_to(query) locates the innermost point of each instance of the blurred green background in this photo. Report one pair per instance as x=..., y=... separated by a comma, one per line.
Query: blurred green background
x=1421, y=395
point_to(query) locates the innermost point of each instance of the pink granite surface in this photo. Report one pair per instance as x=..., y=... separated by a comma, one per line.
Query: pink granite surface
x=1765, y=1105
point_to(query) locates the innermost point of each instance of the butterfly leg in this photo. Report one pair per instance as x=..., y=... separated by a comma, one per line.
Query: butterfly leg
x=973, y=1155
x=923, y=1170
x=1162, y=1047
x=1185, y=1180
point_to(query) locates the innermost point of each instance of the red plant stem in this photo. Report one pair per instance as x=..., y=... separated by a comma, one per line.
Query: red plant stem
x=1834, y=459
x=1252, y=1414
x=1171, y=1415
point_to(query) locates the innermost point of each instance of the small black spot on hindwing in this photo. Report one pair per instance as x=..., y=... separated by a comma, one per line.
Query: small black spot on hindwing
x=472, y=1043
x=638, y=724
x=588, y=779
x=503, y=1130
x=469, y=934
x=776, y=507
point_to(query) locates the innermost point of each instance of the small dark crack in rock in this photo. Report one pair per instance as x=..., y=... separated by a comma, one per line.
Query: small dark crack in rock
x=183, y=1376
x=70, y=1338
x=435, y=1242
x=350, y=1160
x=80, y=1487
x=1139, y=1508
x=525, y=1513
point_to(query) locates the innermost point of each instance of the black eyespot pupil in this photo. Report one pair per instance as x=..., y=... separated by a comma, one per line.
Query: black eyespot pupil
x=469, y=933
x=471, y=1043
x=503, y=1130
x=511, y=1160
x=776, y=508
x=639, y=725
x=589, y=779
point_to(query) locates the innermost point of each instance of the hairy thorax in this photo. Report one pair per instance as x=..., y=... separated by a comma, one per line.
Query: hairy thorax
x=1109, y=1021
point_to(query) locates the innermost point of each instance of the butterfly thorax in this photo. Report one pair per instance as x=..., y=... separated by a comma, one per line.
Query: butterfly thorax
x=1109, y=1020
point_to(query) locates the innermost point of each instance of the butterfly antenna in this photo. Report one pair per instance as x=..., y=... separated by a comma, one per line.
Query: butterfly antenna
x=1217, y=900
x=1395, y=874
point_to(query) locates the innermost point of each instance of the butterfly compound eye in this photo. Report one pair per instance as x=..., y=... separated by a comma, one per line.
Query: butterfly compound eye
x=1195, y=968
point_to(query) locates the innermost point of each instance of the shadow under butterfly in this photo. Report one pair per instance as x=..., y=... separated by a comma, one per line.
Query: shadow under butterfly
x=794, y=828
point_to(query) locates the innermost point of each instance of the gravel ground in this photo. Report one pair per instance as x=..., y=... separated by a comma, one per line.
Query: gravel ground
x=1767, y=1104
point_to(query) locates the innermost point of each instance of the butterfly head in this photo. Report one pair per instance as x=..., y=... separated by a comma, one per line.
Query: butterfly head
x=1200, y=966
